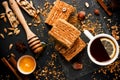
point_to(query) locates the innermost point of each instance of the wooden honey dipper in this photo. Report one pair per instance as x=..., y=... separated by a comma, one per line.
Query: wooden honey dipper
x=33, y=41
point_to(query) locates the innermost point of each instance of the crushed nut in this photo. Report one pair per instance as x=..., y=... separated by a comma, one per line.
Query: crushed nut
x=5, y=30
x=10, y=33
x=109, y=20
x=10, y=46
x=38, y=11
x=31, y=3
x=12, y=19
x=17, y=32
x=115, y=32
x=96, y=11
x=2, y=36
x=64, y=9
x=5, y=19
x=113, y=68
x=50, y=70
x=86, y=4
x=81, y=15
x=77, y=66
x=2, y=15
x=29, y=24
x=35, y=25
x=12, y=29
x=12, y=54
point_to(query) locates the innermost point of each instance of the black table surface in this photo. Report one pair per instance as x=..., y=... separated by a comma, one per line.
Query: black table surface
x=90, y=70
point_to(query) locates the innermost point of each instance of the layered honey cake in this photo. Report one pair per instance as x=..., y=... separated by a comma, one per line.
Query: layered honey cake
x=60, y=10
x=69, y=53
x=64, y=32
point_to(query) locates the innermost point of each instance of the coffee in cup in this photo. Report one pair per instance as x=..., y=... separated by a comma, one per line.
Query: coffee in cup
x=102, y=49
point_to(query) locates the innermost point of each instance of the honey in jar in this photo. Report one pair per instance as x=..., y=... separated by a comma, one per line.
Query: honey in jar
x=26, y=64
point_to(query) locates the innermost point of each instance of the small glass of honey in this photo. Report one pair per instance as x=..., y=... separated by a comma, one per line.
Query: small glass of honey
x=26, y=64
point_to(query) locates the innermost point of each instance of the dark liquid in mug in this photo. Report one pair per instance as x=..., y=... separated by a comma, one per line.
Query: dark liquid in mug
x=98, y=51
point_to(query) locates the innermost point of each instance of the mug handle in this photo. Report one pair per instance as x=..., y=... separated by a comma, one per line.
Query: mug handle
x=88, y=34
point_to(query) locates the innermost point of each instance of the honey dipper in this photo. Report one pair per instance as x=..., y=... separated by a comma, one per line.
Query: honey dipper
x=33, y=41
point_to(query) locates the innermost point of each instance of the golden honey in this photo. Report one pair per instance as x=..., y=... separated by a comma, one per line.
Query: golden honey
x=27, y=64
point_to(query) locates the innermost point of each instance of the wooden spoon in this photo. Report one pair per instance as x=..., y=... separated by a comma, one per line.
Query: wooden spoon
x=33, y=40
x=27, y=7
x=10, y=15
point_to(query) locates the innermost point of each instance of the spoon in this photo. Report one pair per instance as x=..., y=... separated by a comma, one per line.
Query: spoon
x=11, y=16
x=33, y=41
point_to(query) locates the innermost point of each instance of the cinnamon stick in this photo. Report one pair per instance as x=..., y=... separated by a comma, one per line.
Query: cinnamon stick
x=13, y=61
x=104, y=7
x=4, y=60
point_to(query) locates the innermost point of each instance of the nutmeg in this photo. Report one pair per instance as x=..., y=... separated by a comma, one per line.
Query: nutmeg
x=81, y=15
x=96, y=11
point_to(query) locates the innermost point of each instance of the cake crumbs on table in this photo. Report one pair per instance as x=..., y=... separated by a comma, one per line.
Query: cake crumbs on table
x=45, y=9
x=112, y=69
x=50, y=70
x=115, y=32
x=95, y=27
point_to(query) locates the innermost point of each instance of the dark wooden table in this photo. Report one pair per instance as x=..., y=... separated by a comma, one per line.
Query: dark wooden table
x=89, y=71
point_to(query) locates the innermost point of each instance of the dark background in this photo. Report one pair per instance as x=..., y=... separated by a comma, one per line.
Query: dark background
x=90, y=71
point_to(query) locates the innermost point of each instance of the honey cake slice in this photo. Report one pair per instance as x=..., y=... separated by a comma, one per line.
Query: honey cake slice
x=69, y=54
x=64, y=32
x=60, y=10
